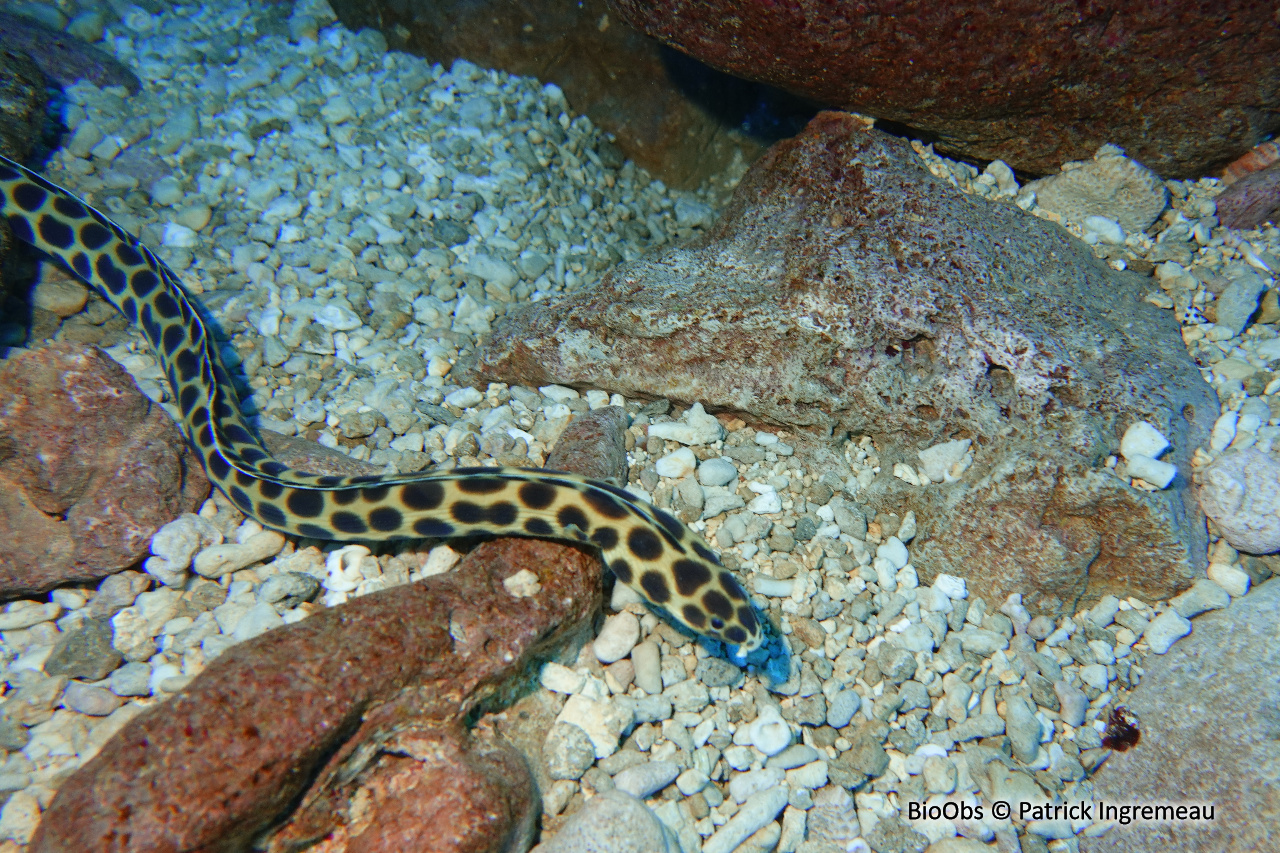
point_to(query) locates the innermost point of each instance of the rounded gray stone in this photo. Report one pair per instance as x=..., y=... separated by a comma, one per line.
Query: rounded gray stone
x=288, y=589
x=1239, y=301
x=646, y=779
x=449, y=233
x=842, y=707
x=897, y=664
x=613, y=822
x=91, y=701
x=132, y=679
x=717, y=472
x=568, y=752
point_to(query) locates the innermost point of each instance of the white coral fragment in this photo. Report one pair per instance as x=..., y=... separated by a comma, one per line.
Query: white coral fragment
x=946, y=462
x=522, y=584
x=1143, y=439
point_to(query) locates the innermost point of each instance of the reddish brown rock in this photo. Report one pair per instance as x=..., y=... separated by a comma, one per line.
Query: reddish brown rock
x=89, y=469
x=678, y=119
x=1209, y=713
x=1251, y=200
x=846, y=289
x=434, y=788
x=308, y=713
x=1031, y=82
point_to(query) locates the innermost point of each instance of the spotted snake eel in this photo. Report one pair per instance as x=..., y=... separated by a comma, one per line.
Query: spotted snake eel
x=645, y=547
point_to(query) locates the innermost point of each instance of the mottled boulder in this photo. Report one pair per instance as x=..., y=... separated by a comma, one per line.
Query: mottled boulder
x=1030, y=82
x=89, y=469
x=846, y=289
x=1210, y=721
x=1251, y=200
x=672, y=115
x=327, y=713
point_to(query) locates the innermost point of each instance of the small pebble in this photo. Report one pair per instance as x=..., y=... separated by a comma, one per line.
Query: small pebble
x=696, y=427
x=1040, y=627
x=93, y=701
x=717, y=472
x=646, y=779
x=1143, y=439
x=617, y=637
x=796, y=755
x=288, y=589
x=1165, y=630
x=259, y=619
x=1203, y=595
x=718, y=672
x=161, y=674
x=218, y=560
x=811, y=776
x=561, y=679
x=745, y=785
x=842, y=707
x=25, y=614
x=691, y=781
x=1230, y=578
x=951, y=586
x=894, y=552
x=132, y=679
x=647, y=661
x=677, y=464
x=1107, y=230
x=464, y=398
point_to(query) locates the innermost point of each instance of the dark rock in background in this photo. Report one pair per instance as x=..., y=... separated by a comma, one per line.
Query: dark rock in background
x=63, y=57
x=682, y=121
x=846, y=289
x=22, y=103
x=1181, y=87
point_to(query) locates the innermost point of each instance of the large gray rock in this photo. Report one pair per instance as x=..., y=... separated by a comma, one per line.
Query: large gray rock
x=845, y=289
x=1210, y=721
